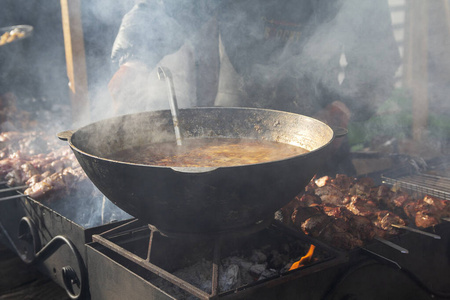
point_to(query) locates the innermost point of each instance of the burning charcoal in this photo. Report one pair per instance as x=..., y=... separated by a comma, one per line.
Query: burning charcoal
x=285, y=248
x=258, y=256
x=198, y=274
x=229, y=277
x=279, y=216
x=257, y=269
x=244, y=267
x=268, y=273
x=236, y=260
x=287, y=267
x=276, y=260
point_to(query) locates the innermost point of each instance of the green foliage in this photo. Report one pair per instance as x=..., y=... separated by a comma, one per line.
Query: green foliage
x=439, y=126
x=394, y=119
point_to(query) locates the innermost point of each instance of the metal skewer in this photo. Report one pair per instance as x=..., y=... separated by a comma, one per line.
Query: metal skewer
x=14, y=188
x=12, y=197
x=417, y=231
x=376, y=255
x=391, y=244
x=165, y=74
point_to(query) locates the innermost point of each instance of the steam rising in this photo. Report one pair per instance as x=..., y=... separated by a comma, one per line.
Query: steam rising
x=35, y=68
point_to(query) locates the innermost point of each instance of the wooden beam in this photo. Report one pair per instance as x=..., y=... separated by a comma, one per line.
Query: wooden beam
x=416, y=73
x=75, y=60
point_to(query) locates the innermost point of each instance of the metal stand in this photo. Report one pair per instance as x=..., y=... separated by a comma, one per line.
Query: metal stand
x=133, y=228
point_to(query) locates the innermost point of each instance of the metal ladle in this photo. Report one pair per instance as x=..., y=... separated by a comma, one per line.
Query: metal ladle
x=165, y=74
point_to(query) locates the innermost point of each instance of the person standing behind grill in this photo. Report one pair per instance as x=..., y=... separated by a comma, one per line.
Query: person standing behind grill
x=282, y=55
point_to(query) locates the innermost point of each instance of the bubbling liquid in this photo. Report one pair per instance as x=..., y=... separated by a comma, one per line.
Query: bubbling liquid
x=218, y=152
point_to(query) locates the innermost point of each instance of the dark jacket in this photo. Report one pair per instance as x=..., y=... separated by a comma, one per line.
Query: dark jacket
x=287, y=53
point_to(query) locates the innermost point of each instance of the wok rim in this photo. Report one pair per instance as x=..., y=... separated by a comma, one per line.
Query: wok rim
x=312, y=152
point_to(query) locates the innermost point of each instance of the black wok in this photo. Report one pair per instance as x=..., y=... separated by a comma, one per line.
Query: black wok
x=201, y=200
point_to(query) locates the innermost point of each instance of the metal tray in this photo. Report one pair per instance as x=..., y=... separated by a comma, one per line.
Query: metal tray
x=25, y=29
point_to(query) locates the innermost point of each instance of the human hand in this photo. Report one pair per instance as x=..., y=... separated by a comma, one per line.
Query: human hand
x=127, y=83
x=335, y=114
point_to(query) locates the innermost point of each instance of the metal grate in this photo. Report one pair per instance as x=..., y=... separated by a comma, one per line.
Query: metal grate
x=434, y=181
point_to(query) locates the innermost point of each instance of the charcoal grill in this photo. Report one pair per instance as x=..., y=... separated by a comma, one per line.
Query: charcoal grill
x=53, y=240
x=128, y=259
x=164, y=258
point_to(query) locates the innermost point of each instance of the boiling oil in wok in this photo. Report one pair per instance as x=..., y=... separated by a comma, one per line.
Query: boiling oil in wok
x=217, y=152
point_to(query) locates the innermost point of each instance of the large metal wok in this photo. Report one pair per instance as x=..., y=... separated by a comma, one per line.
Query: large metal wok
x=214, y=201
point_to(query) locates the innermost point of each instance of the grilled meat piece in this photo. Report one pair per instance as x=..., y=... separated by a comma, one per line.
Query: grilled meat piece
x=315, y=225
x=309, y=199
x=346, y=212
x=304, y=200
x=55, y=182
x=362, y=228
x=331, y=195
x=36, y=160
x=427, y=211
x=343, y=182
x=340, y=239
x=410, y=210
x=423, y=220
x=337, y=211
x=385, y=219
x=436, y=206
x=382, y=191
x=362, y=187
x=322, y=181
x=336, y=233
x=19, y=176
x=362, y=207
x=399, y=201
x=311, y=186
x=301, y=214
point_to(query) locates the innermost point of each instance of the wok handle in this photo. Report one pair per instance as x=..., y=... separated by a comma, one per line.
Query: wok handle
x=65, y=135
x=340, y=132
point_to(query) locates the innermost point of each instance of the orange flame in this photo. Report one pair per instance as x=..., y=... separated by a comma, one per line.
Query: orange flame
x=304, y=260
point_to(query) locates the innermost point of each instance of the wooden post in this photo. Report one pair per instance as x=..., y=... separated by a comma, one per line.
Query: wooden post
x=75, y=60
x=416, y=73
